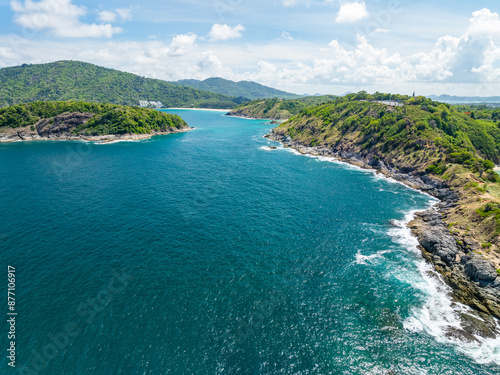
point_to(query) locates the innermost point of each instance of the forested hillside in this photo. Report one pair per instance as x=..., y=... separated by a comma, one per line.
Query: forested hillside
x=75, y=80
x=87, y=118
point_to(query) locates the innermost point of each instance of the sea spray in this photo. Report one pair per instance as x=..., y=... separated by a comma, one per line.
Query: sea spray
x=440, y=316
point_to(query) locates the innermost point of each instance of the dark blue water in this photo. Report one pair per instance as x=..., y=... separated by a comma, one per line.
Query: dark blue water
x=209, y=253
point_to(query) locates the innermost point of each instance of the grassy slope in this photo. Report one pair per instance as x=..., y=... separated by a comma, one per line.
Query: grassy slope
x=276, y=108
x=425, y=137
x=107, y=119
x=74, y=80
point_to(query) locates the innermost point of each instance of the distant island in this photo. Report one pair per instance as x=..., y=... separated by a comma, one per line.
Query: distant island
x=76, y=80
x=466, y=99
x=430, y=146
x=84, y=121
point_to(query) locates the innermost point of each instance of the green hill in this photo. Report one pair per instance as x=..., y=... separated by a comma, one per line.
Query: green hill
x=243, y=89
x=75, y=80
x=46, y=119
x=277, y=109
x=419, y=127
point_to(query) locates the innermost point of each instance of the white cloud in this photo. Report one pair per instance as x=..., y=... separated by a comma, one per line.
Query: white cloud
x=61, y=17
x=469, y=59
x=433, y=66
x=484, y=22
x=10, y=56
x=182, y=44
x=107, y=16
x=352, y=12
x=225, y=32
x=361, y=65
x=289, y=3
x=111, y=16
x=473, y=57
x=380, y=31
x=124, y=13
x=286, y=35
x=210, y=63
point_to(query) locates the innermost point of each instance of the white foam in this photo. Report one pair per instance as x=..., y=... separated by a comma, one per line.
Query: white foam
x=269, y=148
x=439, y=316
x=369, y=259
x=401, y=234
x=330, y=159
x=119, y=141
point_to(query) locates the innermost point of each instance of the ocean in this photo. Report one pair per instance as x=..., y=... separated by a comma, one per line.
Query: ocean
x=212, y=252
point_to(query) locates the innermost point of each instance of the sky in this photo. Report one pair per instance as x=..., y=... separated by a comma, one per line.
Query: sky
x=301, y=46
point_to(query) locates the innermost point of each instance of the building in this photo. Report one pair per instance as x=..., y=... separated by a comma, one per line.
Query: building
x=150, y=104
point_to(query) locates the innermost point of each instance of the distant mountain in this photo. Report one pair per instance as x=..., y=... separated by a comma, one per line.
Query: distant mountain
x=245, y=89
x=76, y=80
x=465, y=99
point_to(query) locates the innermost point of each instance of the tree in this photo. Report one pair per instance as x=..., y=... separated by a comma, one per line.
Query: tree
x=488, y=164
x=483, y=165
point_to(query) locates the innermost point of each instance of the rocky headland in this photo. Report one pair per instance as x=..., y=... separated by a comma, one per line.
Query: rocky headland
x=73, y=121
x=61, y=128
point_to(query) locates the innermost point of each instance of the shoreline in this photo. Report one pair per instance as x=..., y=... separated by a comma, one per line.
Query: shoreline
x=474, y=281
x=98, y=139
x=246, y=117
x=272, y=120
x=269, y=120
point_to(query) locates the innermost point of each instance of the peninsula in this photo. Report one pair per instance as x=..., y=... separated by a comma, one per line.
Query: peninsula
x=84, y=121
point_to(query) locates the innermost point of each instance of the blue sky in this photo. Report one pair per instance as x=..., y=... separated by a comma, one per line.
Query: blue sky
x=320, y=46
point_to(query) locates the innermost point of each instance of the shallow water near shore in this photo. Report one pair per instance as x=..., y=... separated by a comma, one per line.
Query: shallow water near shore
x=238, y=259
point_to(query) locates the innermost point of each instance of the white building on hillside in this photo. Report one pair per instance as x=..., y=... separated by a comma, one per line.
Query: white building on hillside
x=150, y=104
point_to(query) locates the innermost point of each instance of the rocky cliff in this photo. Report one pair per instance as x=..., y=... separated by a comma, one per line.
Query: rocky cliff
x=473, y=279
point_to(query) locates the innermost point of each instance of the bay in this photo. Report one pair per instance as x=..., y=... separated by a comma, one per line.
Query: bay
x=209, y=252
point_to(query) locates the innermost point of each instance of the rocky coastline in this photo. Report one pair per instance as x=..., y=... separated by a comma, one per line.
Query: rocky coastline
x=108, y=138
x=473, y=279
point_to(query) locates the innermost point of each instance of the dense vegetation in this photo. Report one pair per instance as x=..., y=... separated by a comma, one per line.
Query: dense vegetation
x=479, y=111
x=277, y=108
x=107, y=119
x=242, y=89
x=74, y=80
x=422, y=126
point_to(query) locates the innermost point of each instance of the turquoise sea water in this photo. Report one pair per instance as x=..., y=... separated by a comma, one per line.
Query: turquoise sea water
x=209, y=253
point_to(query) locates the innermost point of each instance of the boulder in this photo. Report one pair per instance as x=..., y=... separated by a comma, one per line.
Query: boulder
x=479, y=269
